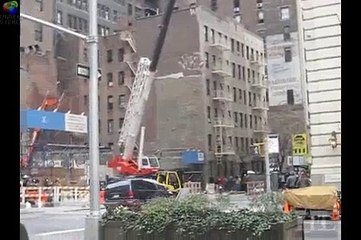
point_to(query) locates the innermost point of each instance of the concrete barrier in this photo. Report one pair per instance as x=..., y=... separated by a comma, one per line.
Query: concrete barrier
x=73, y=234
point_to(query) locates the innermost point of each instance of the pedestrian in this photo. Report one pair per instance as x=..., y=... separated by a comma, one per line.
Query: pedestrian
x=303, y=180
x=23, y=233
x=238, y=184
x=291, y=181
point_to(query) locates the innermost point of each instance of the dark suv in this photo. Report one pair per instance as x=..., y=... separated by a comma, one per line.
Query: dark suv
x=133, y=192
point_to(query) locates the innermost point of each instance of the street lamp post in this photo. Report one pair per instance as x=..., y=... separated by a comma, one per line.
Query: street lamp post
x=92, y=219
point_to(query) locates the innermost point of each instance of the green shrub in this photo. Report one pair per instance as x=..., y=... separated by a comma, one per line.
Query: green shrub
x=195, y=215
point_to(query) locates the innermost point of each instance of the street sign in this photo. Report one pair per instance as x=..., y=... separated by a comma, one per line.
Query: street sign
x=76, y=123
x=83, y=71
x=53, y=121
x=42, y=120
x=273, y=143
x=299, y=144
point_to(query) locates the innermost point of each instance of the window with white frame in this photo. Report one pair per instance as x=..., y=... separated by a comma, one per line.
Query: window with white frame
x=285, y=13
x=59, y=17
x=288, y=54
x=260, y=16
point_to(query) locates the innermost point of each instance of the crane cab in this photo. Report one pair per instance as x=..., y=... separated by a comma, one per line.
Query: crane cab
x=150, y=162
x=170, y=179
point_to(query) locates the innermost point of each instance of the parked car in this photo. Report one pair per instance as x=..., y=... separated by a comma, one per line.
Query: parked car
x=133, y=193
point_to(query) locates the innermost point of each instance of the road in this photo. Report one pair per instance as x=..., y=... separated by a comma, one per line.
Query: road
x=52, y=220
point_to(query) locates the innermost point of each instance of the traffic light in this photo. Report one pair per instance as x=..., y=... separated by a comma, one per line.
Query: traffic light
x=257, y=149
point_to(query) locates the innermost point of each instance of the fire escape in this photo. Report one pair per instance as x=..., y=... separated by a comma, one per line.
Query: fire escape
x=260, y=104
x=130, y=59
x=223, y=123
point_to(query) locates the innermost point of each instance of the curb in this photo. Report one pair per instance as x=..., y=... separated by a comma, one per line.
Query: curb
x=30, y=210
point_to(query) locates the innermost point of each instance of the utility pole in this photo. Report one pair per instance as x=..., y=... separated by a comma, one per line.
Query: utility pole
x=92, y=220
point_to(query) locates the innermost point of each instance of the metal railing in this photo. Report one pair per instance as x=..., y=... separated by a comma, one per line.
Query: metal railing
x=45, y=196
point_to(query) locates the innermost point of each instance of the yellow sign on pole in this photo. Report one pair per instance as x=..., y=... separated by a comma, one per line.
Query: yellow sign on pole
x=299, y=144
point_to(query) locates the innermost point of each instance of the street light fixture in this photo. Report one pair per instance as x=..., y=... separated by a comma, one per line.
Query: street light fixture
x=333, y=140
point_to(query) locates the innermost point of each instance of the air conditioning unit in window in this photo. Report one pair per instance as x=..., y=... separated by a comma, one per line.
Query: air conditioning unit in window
x=110, y=84
x=57, y=163
x=259, y=5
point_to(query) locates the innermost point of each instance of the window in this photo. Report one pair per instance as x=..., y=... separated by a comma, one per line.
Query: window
x=239, y=72
x=85, y=54
x=242, y=49
x=256, y=123
x=208, y=88
x=206, y=33
x=209, y=113
x=214, y=5
x=290, y=97
x=230, y=140
x=110, y=102
x=207, y=60
x=106, y=14
x=285, y=13
x=247, y=146
x=254, y=99
x=111, y=146
x=247, y=52
x=253, y=76
x=130, y=9
x=115, y=15
x=212, y=36
x=99, y=124
x=38, y=32
x=249, y=75
x=242, y=144
x=109, y=55
x=229, y=114
x=286, y=33
x=260, y=16
x=120, y=78
x=86, y=100
x=250, y=98
x=233, y=70
x=235, y=116
x=84, y=5
x=121, y=54
x=214, y=60
x=110, y=126
x=267, y=96
x=240, y=95
x=245, y=120
x=232, y=44
x=214, y=85
x=40, y=4
x=236, y=4
x=288, y=54
x=59, y=17
x=244, y=97
x=250, y=121
x=216, y=112
x=234, y=94
x=121, y=121
x=209, y=142
x=241, y=120
x=244, y=73
x=121, y=101
x=110, y=79
x=237, y=143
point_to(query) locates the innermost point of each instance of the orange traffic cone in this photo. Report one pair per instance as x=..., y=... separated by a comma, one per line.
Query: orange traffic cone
x=286, y=208
x=335, y=215
x=102, y=197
